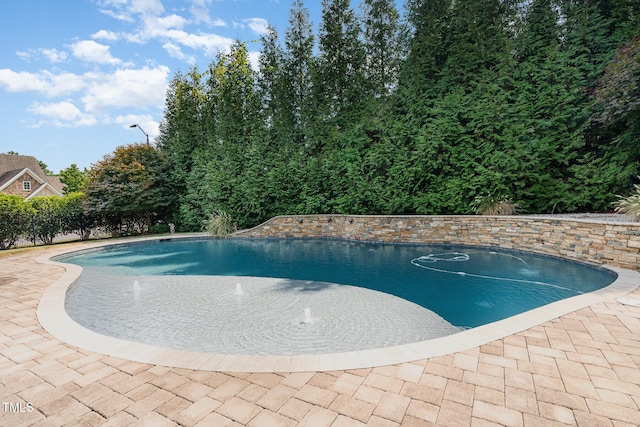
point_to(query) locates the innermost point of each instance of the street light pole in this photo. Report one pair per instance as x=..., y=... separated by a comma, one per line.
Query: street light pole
x=135, y=125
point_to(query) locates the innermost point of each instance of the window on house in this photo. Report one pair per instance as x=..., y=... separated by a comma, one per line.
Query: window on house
x=26, y=185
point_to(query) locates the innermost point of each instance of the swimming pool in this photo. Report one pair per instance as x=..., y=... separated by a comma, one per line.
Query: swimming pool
x=379, y=294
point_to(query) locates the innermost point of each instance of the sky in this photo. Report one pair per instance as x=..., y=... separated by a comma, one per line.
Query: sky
x=75, y=75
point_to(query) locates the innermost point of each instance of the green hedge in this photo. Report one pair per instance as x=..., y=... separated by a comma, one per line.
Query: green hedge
x=41, y=218
x=15, y=219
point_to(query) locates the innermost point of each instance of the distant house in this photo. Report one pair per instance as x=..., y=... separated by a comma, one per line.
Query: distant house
x=22, y=176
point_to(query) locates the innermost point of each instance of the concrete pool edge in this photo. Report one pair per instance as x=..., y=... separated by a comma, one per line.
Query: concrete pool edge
x=54, y=318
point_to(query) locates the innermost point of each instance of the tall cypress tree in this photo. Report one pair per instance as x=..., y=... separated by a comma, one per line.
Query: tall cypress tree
x=271, y=87
x=183, y=129
x=588, y=44
x=464, y=124
x=298, y=66
x=420, y=71
x=339, y=81
x=219, y=179
x=475, y=42
x=383, y=45
x=542, y=105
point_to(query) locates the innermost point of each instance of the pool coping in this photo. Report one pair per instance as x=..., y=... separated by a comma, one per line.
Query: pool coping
x=54, y=318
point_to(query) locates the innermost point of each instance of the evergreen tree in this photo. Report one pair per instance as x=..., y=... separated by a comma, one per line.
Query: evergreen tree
x=420, y=71
x=271, y=87
x=588, y=44
x=383, y=45
x=182, y=129
x=475, y=43
x=491, y=97
x=219, y=179
x=339, y=76
x=625, y=20
x=278, y=125
x=298, y=67
x=459, y=126
x=233, y=83
x=543, y=106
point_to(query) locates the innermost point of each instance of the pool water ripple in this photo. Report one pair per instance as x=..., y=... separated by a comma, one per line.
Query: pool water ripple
x=204, y=313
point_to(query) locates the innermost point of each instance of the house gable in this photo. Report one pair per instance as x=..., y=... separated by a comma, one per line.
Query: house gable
x=22, y=176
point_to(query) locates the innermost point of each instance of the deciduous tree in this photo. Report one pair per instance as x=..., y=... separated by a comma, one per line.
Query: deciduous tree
x=73, y=178
x=131, y=187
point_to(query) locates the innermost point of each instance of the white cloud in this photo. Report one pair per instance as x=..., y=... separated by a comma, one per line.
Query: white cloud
x=209, y=43
x=63, y=83
x=119, y=15
x=21, y=81
x=123, y=10
x=200, y=3
x=90, y=51
x=142, y=88
x=54, y=55
x=218, y=22
x=62, y=114
x=45, y=82
x=145, y=87
x=170, y=29
x=113, y=3
x=155, y=26
x=175, y=52
x=257, y=25
x=200, y=12
x=105, y=35
x=144, y=121
x=153, y=7
x=25, y=56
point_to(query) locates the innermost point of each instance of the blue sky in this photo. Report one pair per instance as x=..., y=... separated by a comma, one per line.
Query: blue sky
x=74, y=75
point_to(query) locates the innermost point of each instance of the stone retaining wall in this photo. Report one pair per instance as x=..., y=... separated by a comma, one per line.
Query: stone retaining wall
x=615, y=244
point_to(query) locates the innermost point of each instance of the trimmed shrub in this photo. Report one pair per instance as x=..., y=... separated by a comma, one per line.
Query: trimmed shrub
x=15, y=218
x=47, y=221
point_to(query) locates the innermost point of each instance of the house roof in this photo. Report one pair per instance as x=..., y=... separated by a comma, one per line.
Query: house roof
x=54, y=181
x=14, y=162
x=8, y=177
x=13, y=166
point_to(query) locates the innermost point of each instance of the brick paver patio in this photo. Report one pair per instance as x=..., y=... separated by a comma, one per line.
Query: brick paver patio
x=580, y=369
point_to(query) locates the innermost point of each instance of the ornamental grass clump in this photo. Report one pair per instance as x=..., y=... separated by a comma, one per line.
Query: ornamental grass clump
x=220, y=224
x=629, y=205
x=494, y=205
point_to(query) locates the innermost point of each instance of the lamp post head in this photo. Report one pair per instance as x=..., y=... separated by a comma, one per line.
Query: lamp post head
x=135, y=125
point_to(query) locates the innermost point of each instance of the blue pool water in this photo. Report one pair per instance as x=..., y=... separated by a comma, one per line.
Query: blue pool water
x=466, y=286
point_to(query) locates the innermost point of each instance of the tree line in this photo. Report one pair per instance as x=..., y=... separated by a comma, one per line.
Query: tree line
x=451, y=106
x=381, y=115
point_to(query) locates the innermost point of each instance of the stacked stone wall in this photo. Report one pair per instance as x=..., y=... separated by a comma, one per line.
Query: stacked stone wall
x=604, y=243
